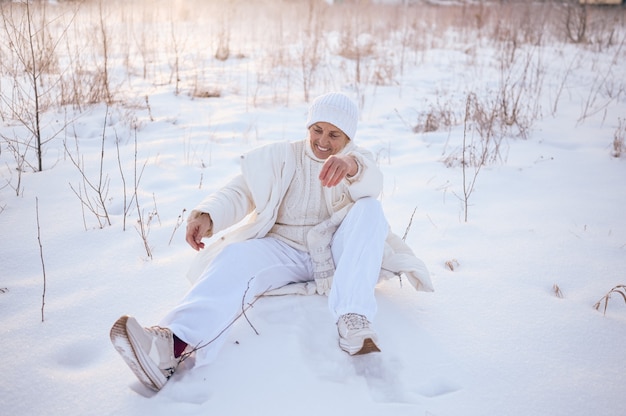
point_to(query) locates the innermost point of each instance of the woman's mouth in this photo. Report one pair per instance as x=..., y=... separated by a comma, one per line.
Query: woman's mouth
x=322, y=149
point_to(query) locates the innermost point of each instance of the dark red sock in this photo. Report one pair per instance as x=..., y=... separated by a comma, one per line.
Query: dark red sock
x=179, y=346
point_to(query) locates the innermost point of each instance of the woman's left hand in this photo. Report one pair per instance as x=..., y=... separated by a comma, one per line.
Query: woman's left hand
x=336, y=168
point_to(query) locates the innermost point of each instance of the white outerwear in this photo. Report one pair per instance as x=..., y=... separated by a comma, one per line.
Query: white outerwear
x=257, y=193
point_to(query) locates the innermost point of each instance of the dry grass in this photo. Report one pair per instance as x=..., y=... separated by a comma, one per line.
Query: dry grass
x=619, y=139
x=111, y=52
x=439, y=116
x=604, y=301
x=187, y=44
x=452, y=264
x=557, y=291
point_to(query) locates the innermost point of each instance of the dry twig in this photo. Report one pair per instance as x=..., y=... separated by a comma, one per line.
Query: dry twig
x=408, y=227
x=179, y=221
x=244, y=309
x=43, y=266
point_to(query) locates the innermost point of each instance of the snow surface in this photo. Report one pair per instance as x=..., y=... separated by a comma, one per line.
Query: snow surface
x=493, y=339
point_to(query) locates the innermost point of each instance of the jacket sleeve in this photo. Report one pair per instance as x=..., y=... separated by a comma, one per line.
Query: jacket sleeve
x=368, y=182
x=227, y=206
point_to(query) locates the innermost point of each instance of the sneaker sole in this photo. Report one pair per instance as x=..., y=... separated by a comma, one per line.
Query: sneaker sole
x=121, y=341
x=367, y=347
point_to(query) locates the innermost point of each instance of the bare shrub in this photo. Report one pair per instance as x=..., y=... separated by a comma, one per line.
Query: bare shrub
x=437, y=117
x=482, y=138
x=482, y=143
x=591, y=25
x=178, y=47
x=493, y=116
x=199, y=91
x=575, y=22
x=520, y=88
x=222, y=51
x=470, y=158
x=34, y=57
x=383, y=71
x=607, y=87
x=34, y=69
x=19, y=155
x=93, y=194
x=356, y=44
x=310, y=50
x=143, y=223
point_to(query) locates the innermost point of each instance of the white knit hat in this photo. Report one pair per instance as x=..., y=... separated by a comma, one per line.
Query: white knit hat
x=337, y=109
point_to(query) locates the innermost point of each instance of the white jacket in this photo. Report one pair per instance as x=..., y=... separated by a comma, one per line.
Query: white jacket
x=256, y=198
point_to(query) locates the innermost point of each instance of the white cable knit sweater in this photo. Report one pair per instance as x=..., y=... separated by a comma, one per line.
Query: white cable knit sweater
x=304, y=205
x=272, y=192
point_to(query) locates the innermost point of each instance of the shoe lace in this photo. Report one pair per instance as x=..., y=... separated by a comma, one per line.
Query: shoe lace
x=165, y=333
x=159, y=332
x=354, y=321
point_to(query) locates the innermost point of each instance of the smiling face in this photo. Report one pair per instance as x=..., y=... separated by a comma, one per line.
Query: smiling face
x=326, y=140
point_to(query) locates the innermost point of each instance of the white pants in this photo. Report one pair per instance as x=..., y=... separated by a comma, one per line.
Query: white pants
x=252, y=267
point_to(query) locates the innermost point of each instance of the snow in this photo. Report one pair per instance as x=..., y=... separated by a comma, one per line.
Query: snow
x=493, y=339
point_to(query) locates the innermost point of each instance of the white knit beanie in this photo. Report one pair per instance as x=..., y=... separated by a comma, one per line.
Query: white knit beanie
x=337, y=109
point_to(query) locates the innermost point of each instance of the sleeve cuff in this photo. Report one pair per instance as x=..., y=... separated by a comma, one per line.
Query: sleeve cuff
x=360, y=168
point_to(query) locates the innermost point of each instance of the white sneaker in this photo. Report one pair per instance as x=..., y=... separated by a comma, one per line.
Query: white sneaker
x=355, y=335
x=149, y=352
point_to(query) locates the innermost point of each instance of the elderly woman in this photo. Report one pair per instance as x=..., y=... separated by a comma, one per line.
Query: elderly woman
x=314, y=226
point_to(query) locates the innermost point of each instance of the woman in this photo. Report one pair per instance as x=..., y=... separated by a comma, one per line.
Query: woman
x=314, y=226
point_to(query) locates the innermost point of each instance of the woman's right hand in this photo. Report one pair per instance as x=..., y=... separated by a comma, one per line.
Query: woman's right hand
x=197, y=229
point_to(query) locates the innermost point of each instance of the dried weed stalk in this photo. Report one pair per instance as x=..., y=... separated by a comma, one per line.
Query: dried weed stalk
x=557, y=291
x=43, y=265
x=619, y=289
x=452, y=264
x=143, y=223
x=619, y=139
x=408, y=227
x=179, y=222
